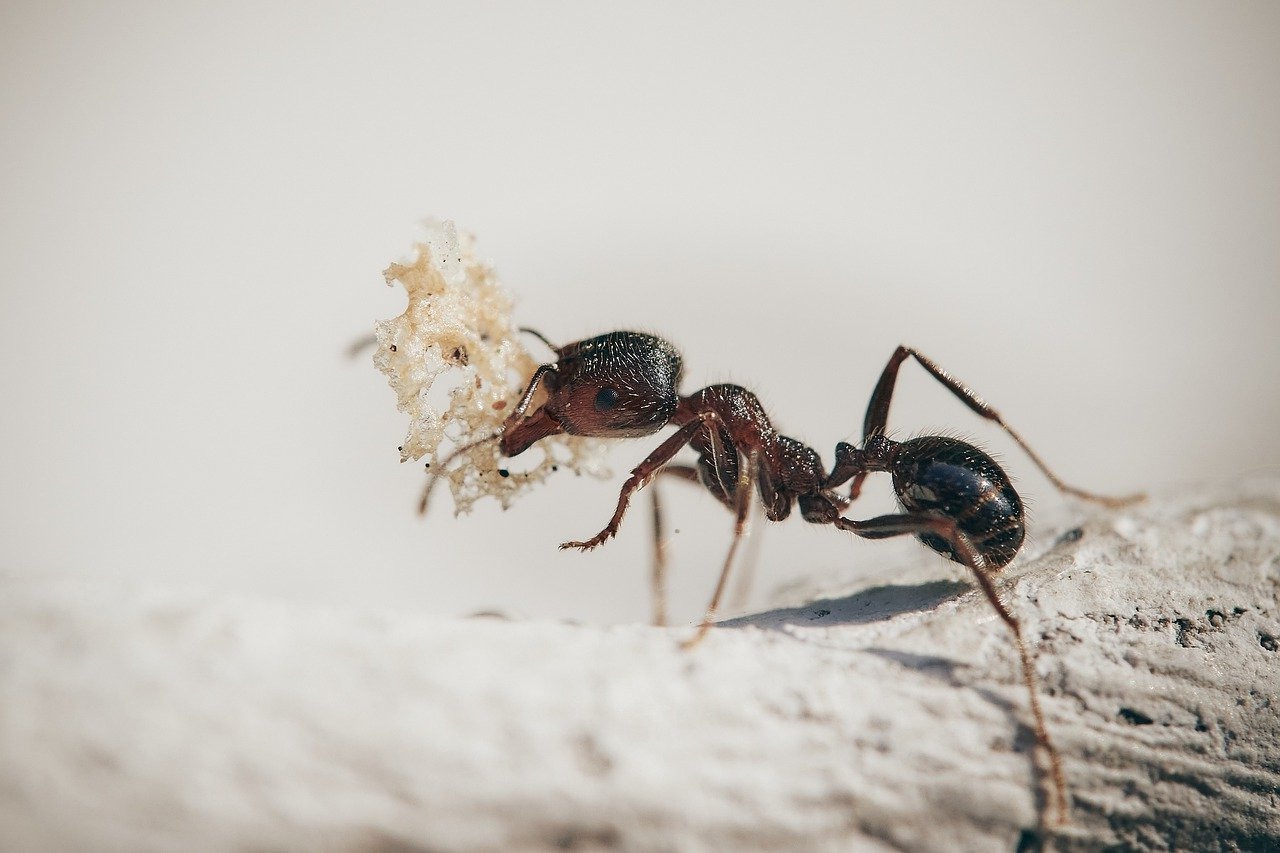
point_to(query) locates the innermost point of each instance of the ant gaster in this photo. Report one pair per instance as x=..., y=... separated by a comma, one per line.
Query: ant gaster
x=954, y=497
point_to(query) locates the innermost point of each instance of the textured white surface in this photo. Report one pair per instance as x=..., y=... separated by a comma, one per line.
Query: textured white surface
x=145, y=719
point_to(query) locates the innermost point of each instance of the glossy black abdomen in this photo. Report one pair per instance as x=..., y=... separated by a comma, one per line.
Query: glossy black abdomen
x=956, y=479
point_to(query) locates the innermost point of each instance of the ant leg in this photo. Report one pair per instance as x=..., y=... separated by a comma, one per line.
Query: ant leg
x=740, y=598
x=741, y=592
x=659, y=577
x=885, y=526
x=642, y=474
x=878, y=415
x=746, y=482
x=855, y=488
x=684, y=472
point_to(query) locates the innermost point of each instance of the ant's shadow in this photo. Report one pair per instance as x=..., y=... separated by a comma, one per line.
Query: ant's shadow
x=876, y=604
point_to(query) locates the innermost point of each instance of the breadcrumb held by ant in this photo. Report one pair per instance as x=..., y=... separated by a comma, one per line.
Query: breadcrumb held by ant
x=457, y=327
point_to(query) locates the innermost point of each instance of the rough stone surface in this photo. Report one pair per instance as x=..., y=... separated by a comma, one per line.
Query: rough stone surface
x=889, y=718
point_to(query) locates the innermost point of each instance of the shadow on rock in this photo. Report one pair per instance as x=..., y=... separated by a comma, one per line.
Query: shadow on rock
x=943, y=669
x=870, y=605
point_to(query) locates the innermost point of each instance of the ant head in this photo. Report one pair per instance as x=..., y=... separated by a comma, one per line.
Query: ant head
x=617, y=385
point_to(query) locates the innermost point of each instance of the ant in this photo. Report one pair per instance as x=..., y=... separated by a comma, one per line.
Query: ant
x=954, y=497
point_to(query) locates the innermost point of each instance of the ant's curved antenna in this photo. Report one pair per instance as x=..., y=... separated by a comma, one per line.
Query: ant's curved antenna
x=364, y=342
x=528, y=331
x=434, y=476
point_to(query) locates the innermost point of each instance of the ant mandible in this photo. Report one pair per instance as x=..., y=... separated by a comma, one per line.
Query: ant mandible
x=954, y=497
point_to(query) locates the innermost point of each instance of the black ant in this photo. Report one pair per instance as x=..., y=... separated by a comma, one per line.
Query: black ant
x=954, y=497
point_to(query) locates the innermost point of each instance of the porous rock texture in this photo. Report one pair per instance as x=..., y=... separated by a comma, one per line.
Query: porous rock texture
x=889, y=718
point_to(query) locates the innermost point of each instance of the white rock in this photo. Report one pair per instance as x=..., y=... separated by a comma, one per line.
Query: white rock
x=887, y=719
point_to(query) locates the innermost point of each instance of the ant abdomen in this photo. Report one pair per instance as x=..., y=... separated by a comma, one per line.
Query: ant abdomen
x=947, y=476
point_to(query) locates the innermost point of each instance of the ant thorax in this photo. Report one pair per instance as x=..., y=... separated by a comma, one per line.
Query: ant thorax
x=786, y=468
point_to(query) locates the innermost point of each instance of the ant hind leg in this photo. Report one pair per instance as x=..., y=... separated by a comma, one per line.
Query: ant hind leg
x=886, y=526
x=878, y=415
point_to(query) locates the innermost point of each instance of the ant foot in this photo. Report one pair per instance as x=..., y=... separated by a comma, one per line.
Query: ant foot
x=598, y=539
x=687, y=645
x=1106, y=500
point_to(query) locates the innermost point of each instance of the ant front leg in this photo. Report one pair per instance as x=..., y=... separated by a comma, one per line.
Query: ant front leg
x=886, y=526
x=878, y=416
x=642, y=474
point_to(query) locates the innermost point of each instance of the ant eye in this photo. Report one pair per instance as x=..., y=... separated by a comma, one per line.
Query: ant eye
x=606, y=399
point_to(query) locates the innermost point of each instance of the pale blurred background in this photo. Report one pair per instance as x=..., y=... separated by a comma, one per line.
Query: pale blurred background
x=1075, y=208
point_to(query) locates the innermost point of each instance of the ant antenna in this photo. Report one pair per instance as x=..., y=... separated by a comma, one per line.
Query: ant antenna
x=368, y=341
x=434, y=476
x=528, y=331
